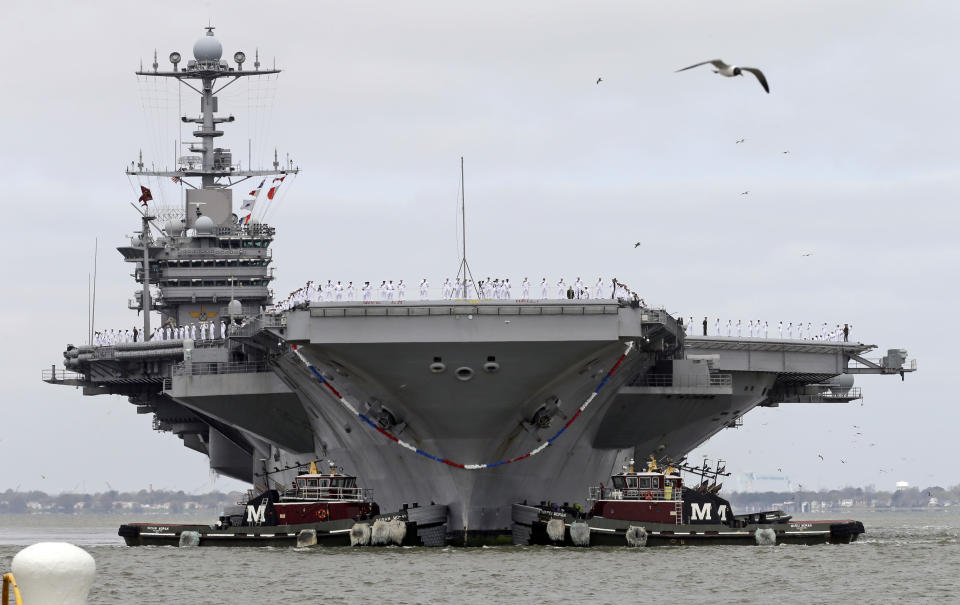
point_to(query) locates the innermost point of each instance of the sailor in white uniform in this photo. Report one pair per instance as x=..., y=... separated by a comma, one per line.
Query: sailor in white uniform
x=223, y=330
x=383, y=290
x=578, y=287
x=446, y=289
x=716, y=327
x=525, y=289
x=599, y=290
x=391, y=290
x=739, y=329
x=338, y=291
x=367, y=291
x=424, y=288
x=766, y=330
x=586, y=293
x=351, y=292
x=561, y=289
x=401, y=290
x=506, y=288
x=543, y=289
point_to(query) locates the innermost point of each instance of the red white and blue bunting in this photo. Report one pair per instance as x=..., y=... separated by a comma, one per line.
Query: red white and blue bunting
x=470, y=467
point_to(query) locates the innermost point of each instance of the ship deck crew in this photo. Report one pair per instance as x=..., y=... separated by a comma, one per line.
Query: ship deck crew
x=424, y=287
x=561, y=289
x=578, y=287
x=367, y=290
x=543, y=289
x=506, y=288
x=704, y=326
x=525, y=289
x=351, y=292
x=598, y=289
x=338, y=291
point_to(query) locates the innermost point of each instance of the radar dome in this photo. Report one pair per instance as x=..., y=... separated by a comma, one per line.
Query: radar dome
x=204, y=225
x=173, y=227
x=843, y=381
x=207, y=48
x=234, y=308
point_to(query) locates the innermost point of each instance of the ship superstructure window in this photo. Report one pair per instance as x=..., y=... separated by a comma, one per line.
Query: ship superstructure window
x=631, y=482
x=619, y=483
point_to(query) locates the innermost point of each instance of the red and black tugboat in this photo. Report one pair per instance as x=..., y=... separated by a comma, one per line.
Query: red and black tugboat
x=325, y=509
x=653, y=508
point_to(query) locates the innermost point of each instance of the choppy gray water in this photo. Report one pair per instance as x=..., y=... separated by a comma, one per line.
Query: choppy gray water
x=904, y=557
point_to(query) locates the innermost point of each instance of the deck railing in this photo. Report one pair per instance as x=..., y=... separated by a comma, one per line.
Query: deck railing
x=353, y=494
x=608, y=493
x=58, y=374
x=671, y=380
x=201, y=368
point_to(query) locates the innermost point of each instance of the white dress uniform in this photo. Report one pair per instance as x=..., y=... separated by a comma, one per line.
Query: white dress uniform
x=766, y=330
x=424, y=288
x=328, y=290
x=739, y=329
x=447, y=292
x=506, y=288
x=561, y=289
x=525, y=289
x=223, y=330
x=338, y=291
x=586, y=293
x=401, y=290
x=383, y=290
x=599, y=290
x=790, y=330
x=367, y=290
x=351, y=292
x=543, y=289
x=578, y=287
x=391, y=290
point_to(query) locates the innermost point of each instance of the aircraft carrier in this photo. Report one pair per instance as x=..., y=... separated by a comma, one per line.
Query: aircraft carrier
x=467, y=402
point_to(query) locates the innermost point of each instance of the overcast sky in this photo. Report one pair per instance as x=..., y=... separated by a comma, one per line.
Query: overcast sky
x=377, y=103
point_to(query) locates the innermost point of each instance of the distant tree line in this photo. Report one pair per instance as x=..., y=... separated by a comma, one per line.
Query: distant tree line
x=910, y=497
x=113, y=501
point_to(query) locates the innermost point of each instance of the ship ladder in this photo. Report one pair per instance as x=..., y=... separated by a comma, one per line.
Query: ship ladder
x=678, y=512
x=9, y=582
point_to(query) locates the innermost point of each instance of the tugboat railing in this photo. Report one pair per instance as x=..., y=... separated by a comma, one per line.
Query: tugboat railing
x=608, y=493
x=357, y=494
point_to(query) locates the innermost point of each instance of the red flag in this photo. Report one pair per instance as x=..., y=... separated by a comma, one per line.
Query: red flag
x=273, y=190
x=145, y=195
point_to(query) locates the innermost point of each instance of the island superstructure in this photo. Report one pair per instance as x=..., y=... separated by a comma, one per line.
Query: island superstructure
x=474, y=404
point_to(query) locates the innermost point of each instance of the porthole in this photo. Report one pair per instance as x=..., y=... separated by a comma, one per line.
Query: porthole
x=464, y=373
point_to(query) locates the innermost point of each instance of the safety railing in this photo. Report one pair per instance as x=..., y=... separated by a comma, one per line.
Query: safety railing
x=9, y=583
x=201, y=368
x=844, y=394
x=608, y=493
x=57, y=375
x=358, y=494
x=670, y=380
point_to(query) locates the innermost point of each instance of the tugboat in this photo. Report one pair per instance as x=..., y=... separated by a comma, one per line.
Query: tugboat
x=319, y=509
x=654, y=508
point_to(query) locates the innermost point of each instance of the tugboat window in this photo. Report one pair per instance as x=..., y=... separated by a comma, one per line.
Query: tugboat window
x=618, y=483
x=632, y=482
x=644, y=482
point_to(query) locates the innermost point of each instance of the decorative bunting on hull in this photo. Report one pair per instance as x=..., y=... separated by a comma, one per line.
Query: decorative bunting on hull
x=469, y=467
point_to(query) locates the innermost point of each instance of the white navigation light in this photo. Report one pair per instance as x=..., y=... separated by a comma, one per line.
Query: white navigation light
x=174, y=58
x=239, y=57
x=207, y=48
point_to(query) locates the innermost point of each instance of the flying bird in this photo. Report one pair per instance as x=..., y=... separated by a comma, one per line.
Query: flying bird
x=740, y=141
x=842, y=461
x=787, y=151
x=744, y=192
x=732, y=70
x=599, y=80
x=807, y=254
x=820, y=456
x=636, y=245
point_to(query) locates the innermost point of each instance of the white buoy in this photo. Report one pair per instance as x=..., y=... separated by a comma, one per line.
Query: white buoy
x=360, y=534
x=54, y=573
x=189, y=538
x=380, y=534
x=555, y=529
x=765, y=537
x=306, y=537
x=636, y=536
x=580, y=533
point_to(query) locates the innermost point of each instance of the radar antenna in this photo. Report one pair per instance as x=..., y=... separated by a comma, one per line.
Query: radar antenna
x=464, y=274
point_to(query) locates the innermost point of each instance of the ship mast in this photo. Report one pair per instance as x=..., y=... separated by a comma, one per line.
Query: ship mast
x=464, y=275
x=214, y=167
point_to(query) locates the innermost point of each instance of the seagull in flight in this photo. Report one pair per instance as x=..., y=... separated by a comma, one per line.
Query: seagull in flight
x=636, y=245
x=842, y=461
x=599, y=80
x=820, y=456
x=732, y=70
x=787, y=151
x=740, y=141
x=807, y=254
x=744, y=192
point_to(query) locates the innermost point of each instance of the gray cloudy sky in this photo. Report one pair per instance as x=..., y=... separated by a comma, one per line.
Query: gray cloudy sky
x=379, y=101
